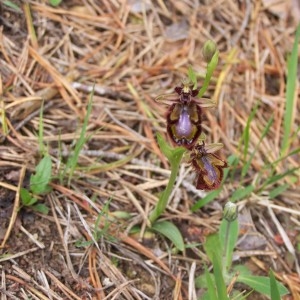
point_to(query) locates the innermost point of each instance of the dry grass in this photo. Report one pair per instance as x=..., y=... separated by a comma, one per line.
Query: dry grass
x=57, y=55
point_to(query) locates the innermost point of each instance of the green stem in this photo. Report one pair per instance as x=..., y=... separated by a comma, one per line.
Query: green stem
x=227, y=264
x=164, y=198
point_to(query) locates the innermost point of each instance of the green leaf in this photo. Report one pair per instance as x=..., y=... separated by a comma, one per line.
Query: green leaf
x=219, y=279
x=246, y=132
x=261, y=284
x=211, y=66
x=41, y=208
x=205, y=296
x=26, y=197
x=290, y=94
x=39, y=182
x=200, y=281
x=83, y=243
x=170, y=231
x=246, y=166
x=213, y=245
x=242, y=270
x=12, y=5
x=277, y=177
x=208, y=198
x=73, y=159
x=214, y=249
x=211, y=288
x=229, y=240
x=278, y=190
x=241, y=193
x=275, y=295
x=55, y=2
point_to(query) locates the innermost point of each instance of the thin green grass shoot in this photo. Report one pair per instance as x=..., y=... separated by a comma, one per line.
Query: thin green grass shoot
x=12, y=5
x=246, y=133
x=292, y=68
x=247, y=165
x=41, y=131
x=73, y=159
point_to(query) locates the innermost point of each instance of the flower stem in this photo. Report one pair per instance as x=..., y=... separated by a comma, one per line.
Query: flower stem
x=162, y=203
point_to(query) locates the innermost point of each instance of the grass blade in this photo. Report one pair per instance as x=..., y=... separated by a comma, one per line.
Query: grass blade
x=290, y=94
x=241, y=193
x=41, y=131
x=246, y=133
x=264, y=133
x=72, y=161
x=205, y=200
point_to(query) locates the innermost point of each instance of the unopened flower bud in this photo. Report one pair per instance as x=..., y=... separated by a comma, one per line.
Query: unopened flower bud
x=230, y=212
x=208, y=50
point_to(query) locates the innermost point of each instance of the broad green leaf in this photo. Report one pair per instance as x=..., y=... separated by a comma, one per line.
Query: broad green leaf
x=213, y=245
x=170, y=231
x=242, y=270
x=218, y=274
x=55, y=2
x=26, y=197
x=275, y=295
x=39, y=182
x=41, y=208
x=261, y=284
x=211, y=288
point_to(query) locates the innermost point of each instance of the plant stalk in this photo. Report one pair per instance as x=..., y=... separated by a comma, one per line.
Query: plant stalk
x=164, y=198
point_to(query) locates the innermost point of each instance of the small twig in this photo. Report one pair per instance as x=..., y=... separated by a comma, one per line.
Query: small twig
x=31, y=116
x=101, y=90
